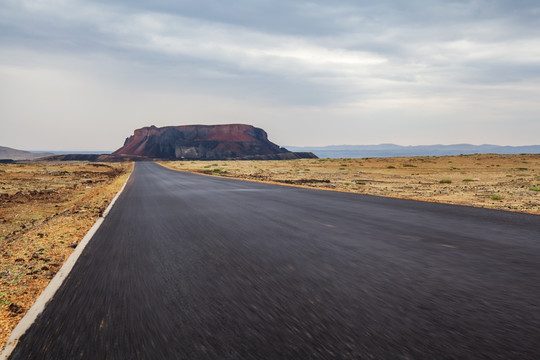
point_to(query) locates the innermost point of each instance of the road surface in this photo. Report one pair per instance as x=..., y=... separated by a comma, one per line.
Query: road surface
x=195, y=267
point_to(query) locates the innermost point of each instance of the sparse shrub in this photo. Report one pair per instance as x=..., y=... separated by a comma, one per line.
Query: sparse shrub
x=220, y=172
x=360, y=183
x=391, y=167
x=445, y=181
x=4, y=300
x=341, y=168
x=409, y=165
x=207, y=166
x=535, y=188
x=468, y=180
x=497, y=197
x=347, y=183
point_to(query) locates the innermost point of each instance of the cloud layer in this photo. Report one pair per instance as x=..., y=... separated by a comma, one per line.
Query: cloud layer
x=310, y=72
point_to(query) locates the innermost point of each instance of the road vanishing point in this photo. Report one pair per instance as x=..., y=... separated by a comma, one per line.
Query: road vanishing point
x=188, y=266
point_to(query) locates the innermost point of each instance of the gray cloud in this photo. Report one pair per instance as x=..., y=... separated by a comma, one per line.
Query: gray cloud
x=348, y=59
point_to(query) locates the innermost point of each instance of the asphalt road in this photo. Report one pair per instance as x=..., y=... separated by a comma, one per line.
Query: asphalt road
x=196, y=267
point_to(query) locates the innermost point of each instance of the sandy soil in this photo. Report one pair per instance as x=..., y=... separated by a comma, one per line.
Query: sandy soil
x=45, y=210
x=506, y=182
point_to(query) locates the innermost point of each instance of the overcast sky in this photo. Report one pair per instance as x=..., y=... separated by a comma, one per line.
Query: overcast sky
x=82, y=75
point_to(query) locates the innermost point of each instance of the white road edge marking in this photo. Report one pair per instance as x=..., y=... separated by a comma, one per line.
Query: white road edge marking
x=48, y=294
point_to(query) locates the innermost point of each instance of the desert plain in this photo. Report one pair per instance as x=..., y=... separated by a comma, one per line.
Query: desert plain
x=504, y=182
x=46, y=208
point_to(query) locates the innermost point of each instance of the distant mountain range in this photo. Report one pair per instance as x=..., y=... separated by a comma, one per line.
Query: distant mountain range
x=14, y=154
x=7, y=153
x=337, y=151
x=392, y=150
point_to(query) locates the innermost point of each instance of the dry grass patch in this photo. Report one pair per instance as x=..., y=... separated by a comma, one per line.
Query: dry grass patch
x=45, y=210
x=507, y=182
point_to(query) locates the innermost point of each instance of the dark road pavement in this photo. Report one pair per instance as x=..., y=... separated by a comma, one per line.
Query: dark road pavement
x=196, y=267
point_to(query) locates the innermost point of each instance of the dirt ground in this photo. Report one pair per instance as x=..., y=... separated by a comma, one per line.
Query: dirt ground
x=506, y=182
x=45, y=210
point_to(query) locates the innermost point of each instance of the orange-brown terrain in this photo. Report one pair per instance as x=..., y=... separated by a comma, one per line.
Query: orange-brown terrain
x=506, y=182
x=45, y=210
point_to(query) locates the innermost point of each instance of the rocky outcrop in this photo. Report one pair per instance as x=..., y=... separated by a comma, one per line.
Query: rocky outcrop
x=205, y=142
